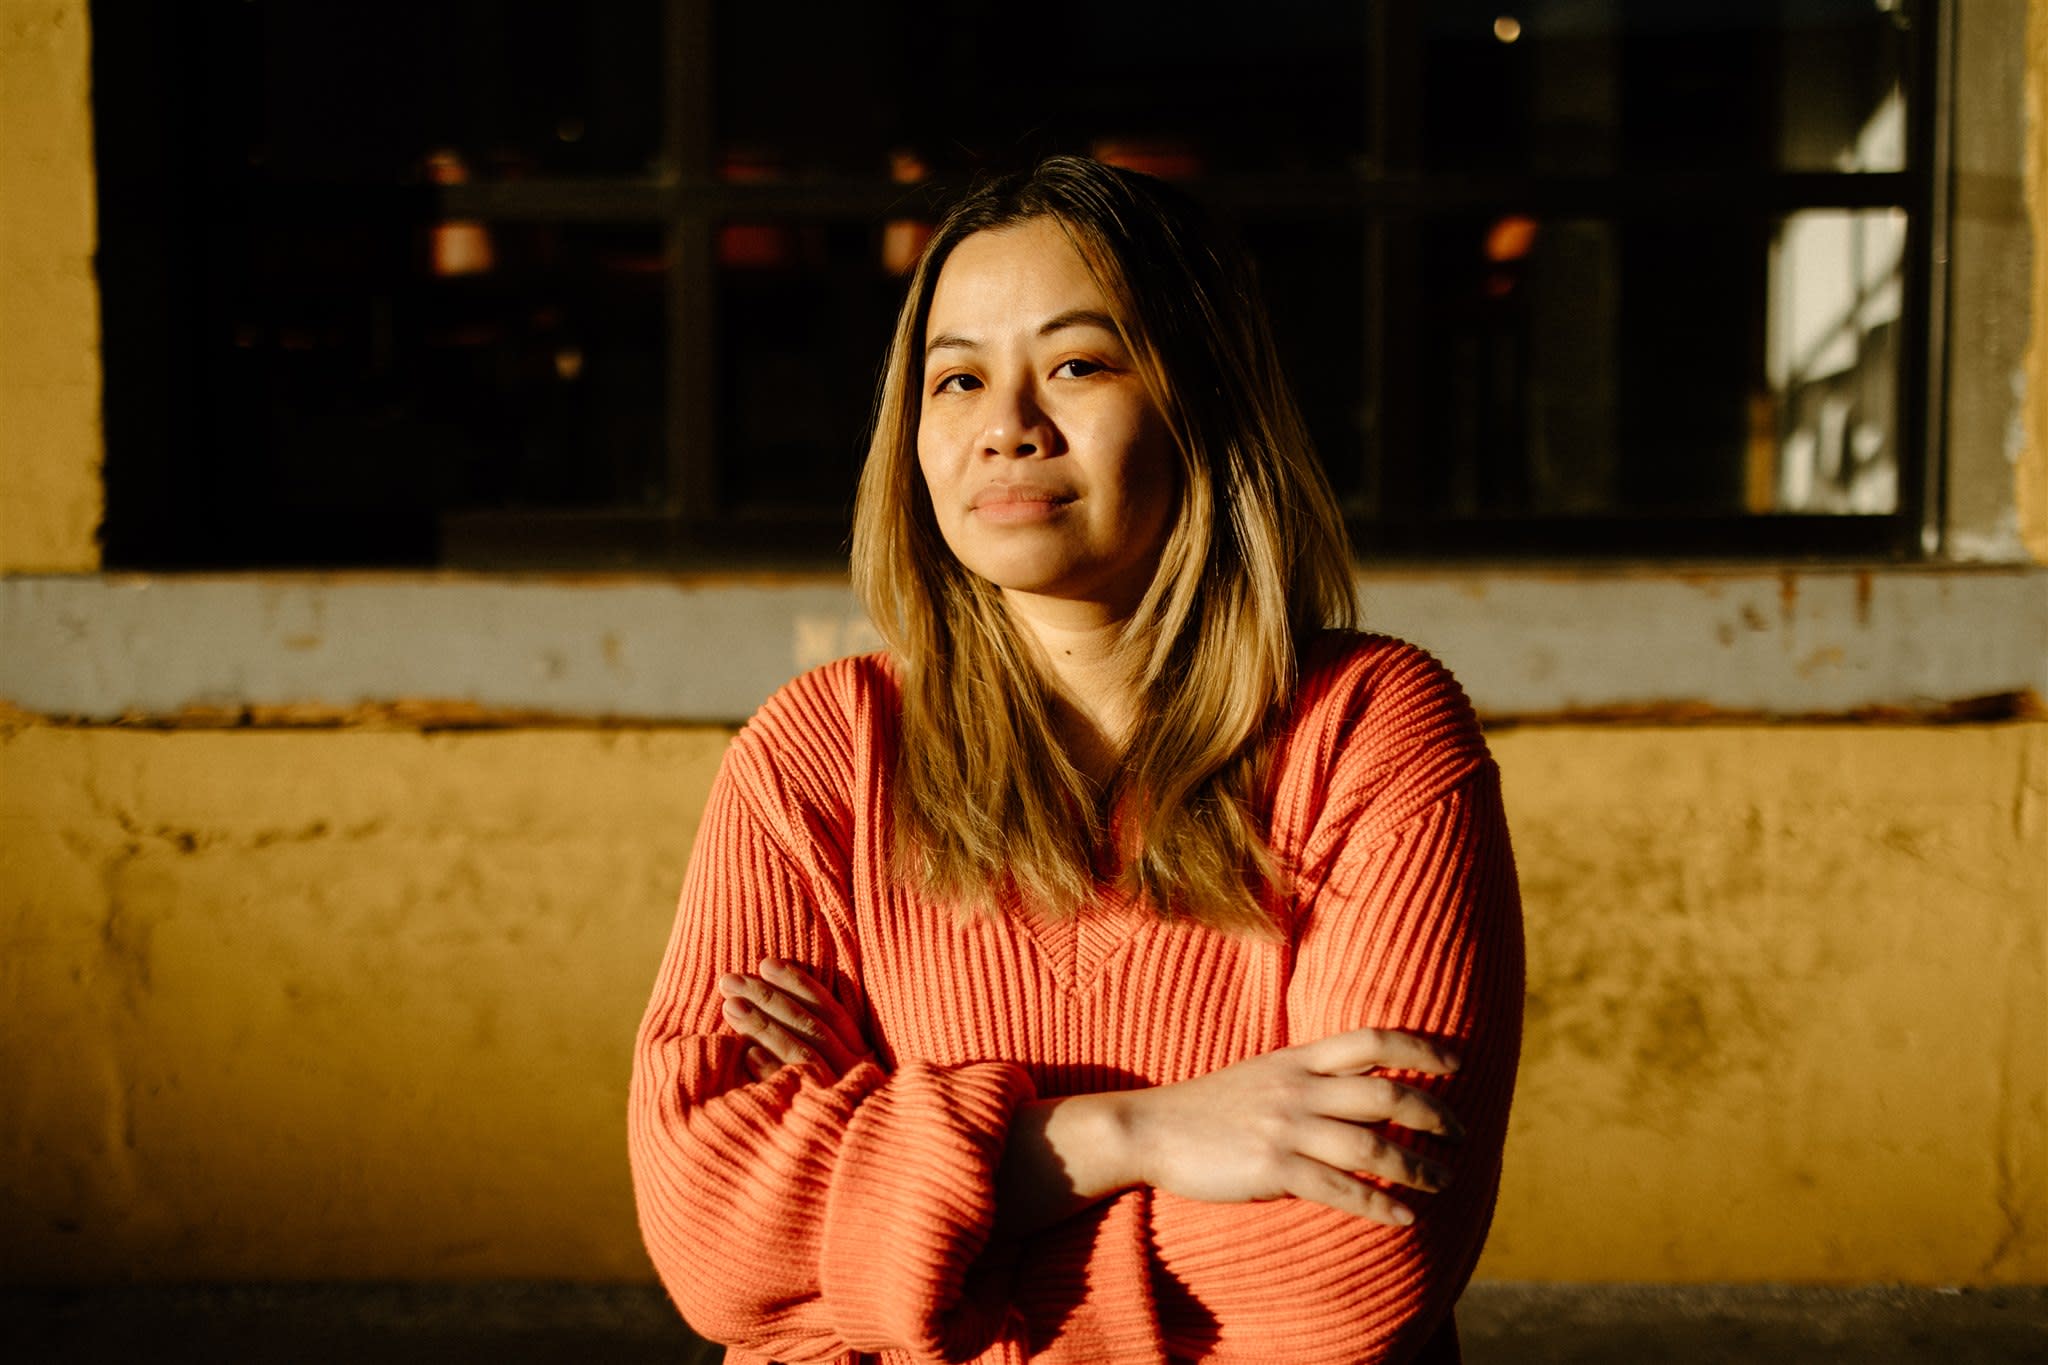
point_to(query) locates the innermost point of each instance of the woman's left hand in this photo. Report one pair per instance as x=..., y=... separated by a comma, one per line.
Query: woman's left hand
x=790, y=1019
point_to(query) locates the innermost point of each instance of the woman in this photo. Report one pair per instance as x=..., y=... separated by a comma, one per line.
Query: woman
x=1127, y=966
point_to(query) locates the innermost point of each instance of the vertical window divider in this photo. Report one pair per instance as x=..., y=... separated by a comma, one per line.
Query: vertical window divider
x=1927, y=374
x=690, y=418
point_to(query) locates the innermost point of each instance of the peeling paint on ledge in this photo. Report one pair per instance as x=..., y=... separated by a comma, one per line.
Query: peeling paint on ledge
x=414, y=715
x=449, y=651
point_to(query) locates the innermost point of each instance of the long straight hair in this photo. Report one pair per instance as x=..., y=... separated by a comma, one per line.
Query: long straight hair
x=990, y=810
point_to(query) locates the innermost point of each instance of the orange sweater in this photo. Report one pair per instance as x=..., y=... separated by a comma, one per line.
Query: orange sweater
x=813, y=1218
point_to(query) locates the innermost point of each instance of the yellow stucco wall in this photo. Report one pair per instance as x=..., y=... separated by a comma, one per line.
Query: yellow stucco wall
x=358, y=1004
x=1788, y=1004
x=2031, y=474
x=49, y=306
x=305, y=1004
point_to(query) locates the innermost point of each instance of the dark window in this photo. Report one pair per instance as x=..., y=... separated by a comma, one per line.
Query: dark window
x=457, y=282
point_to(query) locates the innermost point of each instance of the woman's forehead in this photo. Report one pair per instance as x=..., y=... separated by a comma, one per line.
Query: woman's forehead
x=1014, y=281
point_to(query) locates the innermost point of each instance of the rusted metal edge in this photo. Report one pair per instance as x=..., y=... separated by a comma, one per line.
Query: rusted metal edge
x=1988, y=709
x=436, y=717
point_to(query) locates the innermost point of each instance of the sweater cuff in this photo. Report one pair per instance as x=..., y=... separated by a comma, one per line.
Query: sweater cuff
x=1090, y=1281
x=911, y=1205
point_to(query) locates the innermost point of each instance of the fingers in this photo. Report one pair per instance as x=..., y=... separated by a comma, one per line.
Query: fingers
x=1375, y=1099
x=793, y=981
x=769, y=1034
x=790, y=1017
x=1308, y=1178
x=1361, y=1151
x=1366, y=1048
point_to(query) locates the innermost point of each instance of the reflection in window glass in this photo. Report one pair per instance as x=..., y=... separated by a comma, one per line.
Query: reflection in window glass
x=1837, y=282
x=1580, y=368
x=544, y=372
x=365, y=92
x=1588, y=87
x=1404, y=87
x=804, y=312
x=977, y=83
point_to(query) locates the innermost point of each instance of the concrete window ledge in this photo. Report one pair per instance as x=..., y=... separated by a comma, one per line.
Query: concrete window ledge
x=1528, y=643
x=540, y=1324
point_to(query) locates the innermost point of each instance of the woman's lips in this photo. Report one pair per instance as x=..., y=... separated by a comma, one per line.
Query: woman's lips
x=1010, y=504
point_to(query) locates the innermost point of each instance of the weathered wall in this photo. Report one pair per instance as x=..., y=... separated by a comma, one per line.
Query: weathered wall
x=357, y=1004
x=1989, y=256
x=1788, y=1004
x=2031, y=475
x=49, y=306
x=310, y=1004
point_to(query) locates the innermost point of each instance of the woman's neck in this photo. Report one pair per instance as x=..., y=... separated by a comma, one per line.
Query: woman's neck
x=1094, y=683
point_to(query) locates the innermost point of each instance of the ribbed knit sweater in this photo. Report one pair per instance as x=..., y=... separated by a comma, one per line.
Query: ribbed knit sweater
x=812, y=1217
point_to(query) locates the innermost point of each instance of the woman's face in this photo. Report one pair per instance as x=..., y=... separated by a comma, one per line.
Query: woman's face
x=1051, y=472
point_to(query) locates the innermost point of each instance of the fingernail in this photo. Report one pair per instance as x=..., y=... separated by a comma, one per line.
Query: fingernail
x=1403, y=1215
x=1450, y=1061
x=732, y=983
x=738, y=1008
x=769, y=964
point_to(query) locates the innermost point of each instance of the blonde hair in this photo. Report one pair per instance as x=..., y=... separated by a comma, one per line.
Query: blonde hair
x=988, y=804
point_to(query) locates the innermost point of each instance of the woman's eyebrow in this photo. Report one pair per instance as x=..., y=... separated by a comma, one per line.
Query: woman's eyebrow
x=1079, y=317
x=1058, y=322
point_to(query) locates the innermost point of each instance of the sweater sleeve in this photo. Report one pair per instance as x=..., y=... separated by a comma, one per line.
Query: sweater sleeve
x=807, y=1216
x=1409, y=919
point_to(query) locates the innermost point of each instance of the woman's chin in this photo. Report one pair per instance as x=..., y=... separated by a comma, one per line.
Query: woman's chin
x=1099, y=599
x=1045, y=568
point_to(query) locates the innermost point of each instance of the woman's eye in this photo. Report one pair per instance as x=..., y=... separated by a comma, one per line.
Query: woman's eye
x=956, y=383
x=1077, y=368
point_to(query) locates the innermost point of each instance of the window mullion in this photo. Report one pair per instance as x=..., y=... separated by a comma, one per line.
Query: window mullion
x=691, y=412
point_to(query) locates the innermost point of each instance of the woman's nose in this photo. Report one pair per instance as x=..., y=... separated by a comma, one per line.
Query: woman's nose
x=1016, y=422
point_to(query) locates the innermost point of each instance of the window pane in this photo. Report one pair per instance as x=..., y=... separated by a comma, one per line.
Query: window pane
x=1837, y=285
x=1585, y=368
x=1599, y=86
x=308, y=361
x=804, y=316
x=547, y=369
x=978, y=82
x=1449, y=86
x=401, y=91
x=339, y=386
x=1316, y=280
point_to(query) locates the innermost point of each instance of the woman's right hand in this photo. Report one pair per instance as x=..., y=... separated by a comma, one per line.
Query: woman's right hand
x=789, y=1019
x=1297, y=1121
